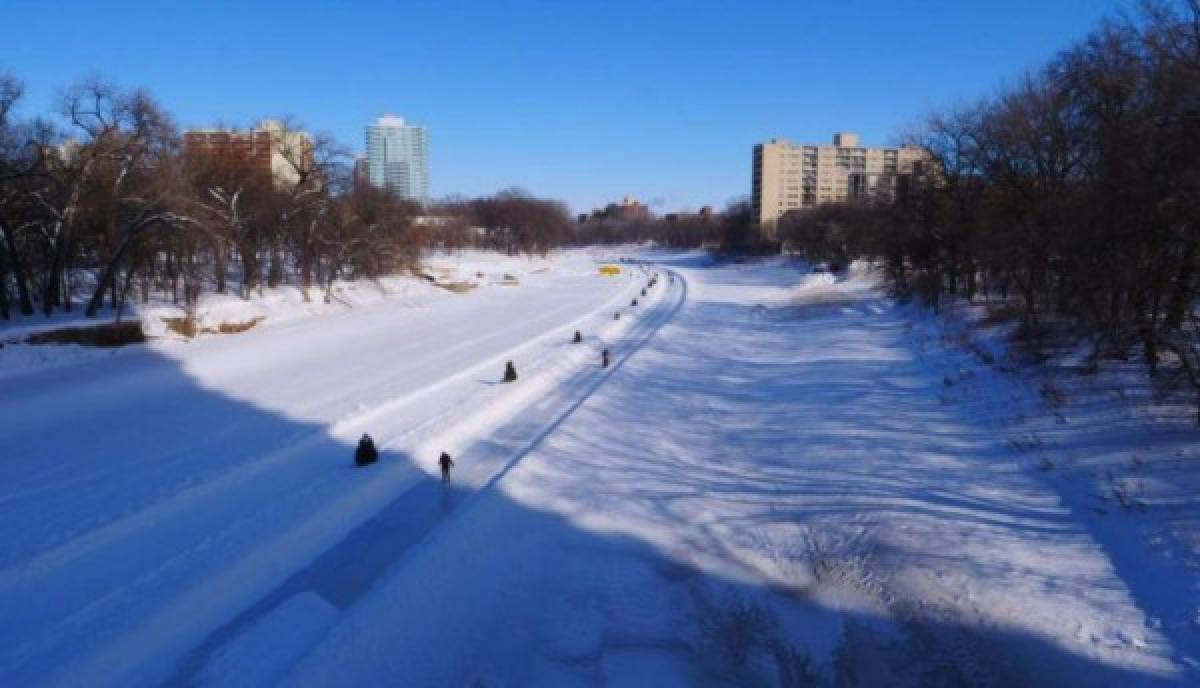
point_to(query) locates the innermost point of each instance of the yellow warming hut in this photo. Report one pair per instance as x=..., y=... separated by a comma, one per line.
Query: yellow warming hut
x=609, y=270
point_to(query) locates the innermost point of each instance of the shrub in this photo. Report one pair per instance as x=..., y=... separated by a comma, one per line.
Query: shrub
x=456, y=287
x=184, y=327
x=110, y=335
x=189, y=327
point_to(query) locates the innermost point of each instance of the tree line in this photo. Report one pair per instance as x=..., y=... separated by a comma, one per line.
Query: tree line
x=733, y=231
x=1072, y=197
x=104, y=203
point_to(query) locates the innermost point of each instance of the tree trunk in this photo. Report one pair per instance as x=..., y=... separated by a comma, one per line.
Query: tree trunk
x=4, y=309
x=1182, y=294
x=53, y=285
x=19, y=276
x=110, y=269
x=219, y=266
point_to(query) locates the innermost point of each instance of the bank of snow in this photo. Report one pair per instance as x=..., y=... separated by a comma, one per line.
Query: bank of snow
x=272, y=307
x=1124, y=457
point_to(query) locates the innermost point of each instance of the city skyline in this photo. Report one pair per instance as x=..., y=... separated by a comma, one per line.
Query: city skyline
x=587, y=106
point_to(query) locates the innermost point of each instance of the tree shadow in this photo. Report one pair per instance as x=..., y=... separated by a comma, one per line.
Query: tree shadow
x=515, y=595
x=141, y=509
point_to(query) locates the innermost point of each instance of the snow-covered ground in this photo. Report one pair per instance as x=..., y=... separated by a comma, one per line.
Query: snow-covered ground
x=774, y=491
x=149, y=496
x=783, y=479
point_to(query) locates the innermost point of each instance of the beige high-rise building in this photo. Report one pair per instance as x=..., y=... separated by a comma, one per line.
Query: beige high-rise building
x=791, y=176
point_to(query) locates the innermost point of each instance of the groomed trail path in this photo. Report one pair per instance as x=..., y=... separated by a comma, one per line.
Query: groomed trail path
x=487, y=445
x=197, y=511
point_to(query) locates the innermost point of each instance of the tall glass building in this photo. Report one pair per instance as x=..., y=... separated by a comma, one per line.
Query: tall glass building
x=397, y=158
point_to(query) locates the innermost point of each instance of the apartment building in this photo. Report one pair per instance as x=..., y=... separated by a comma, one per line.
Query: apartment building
x=397, y=158
x=628, y=210
x=270, y=148
x=789, y=176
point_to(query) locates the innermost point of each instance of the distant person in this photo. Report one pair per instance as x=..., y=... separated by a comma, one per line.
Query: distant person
x=634, y=303
x=578, y=337
x=617, y=315
x=510, y=373
x=604, y=358
x=366, y=453
x=644, y=291
x=445, y=462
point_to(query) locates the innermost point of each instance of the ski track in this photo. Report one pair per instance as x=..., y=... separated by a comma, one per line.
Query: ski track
x=154, y=638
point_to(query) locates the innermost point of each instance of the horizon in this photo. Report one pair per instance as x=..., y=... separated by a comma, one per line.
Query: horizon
x=582, y=104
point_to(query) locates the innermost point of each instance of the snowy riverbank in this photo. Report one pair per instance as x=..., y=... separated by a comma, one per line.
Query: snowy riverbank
x=783, y=478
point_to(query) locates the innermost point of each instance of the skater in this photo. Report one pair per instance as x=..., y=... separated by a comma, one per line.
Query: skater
x=617, y=315
x=366, y=453
x=644, y=291
x=634, y=303
x=578, y=337
x=604, y=359
x=510, y=373
x=445, y=462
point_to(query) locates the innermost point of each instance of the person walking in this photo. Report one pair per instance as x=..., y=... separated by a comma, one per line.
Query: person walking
x=445, y=462
x=604, y=359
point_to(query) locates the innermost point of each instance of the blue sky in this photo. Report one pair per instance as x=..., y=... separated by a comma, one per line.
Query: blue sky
x=575, y=99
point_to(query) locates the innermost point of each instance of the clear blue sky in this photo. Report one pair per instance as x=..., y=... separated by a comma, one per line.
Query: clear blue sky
x=580, y=100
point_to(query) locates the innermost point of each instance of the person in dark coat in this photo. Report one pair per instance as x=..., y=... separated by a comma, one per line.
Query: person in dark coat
x=366, y=453
x=510, y=373
x=604, y=358
x=445, y=462
x=578, y=337
x=634, y=303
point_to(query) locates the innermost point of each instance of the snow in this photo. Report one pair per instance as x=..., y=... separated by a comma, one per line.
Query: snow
x=783, y=478
x=149, y=500
x=260, y=656
x=734, y=504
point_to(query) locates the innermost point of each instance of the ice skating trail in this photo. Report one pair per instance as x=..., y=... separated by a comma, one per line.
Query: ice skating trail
x=194, y=500
x=488, y=445
x=772, y=491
